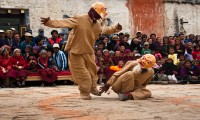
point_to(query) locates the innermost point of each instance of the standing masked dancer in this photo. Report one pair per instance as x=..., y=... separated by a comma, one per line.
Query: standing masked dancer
x=85, y=31
x=130, y=82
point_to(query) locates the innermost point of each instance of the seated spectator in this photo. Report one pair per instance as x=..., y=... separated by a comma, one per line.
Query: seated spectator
x=196, y=53
x=173, y=55
x=146, y=49
x=45, y=41
x=196, y=67
x=59, y=57
x=10, y=41
x=157, y=66
x=188, y=51
x=17, y=39
x=169, y=70
x=51, y=62
x=115, y=43
x=18, y=64
x=157, y=44
x=117, y=57
x=54, y=39
x=179, y=47
x=48, y=74
x=28, y=49
x=36, y=51
x=5, y=69
x=122, y=49
x=190, y=39
x=135, y=45
x=2, y=38
x=118, y=67
x=181, y=62
x=126, y=56
x=31, y=63
x=125, y=43
x=164, y=50
x=28, y=41
x=106, y=45
x=107, y=62
x=111, y=54
x=99, y=63
x=158, y=55
x=187, y=73
x=149, y=40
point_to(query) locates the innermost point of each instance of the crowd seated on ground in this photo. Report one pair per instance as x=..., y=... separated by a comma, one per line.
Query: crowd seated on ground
x=177, y=56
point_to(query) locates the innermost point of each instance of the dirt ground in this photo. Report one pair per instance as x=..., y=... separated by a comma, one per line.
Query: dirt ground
x=169, y=102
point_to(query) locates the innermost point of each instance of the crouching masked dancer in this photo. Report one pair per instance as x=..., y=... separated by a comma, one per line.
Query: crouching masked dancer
x=130, y=82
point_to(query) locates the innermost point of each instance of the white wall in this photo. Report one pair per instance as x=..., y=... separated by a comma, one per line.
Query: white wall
x=189, y=13
x=118, y=12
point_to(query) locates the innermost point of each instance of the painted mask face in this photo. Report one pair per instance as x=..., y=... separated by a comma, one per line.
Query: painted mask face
x=100, y=8
x=147, y=61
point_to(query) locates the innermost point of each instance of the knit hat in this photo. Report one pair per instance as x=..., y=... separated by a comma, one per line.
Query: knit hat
x=17, y=49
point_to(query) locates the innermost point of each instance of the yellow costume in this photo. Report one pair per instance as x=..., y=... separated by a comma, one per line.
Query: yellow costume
x=80, y=47
x=131, y=79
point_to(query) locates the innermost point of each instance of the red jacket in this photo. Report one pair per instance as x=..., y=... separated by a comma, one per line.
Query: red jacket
x=52, y=41
x=5, y=62
x=196, y=55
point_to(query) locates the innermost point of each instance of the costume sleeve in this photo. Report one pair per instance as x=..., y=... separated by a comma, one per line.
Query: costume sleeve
x=128, y=66
x=65, y=23
x=109, y=29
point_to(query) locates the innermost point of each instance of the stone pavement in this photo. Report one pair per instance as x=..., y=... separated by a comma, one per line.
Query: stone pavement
x=169, y=102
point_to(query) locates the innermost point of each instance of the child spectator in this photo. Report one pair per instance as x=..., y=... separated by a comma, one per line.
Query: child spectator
x=5, y=68
x=181, y=62
x=31, y=63
x=18, y=64
x=196, y=53
x=36, y=51
x=187, y=73
x=146, y=49
x=99, y=62
x=48, y=74
x=169, y=70
x=173, y=55
x=28, y=49
x=158, y=55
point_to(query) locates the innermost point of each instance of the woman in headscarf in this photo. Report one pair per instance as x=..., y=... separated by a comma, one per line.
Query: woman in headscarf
x=18, y=64
x=48, y=74
x=5, y=68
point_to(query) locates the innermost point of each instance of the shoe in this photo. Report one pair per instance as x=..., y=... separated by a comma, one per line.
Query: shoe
x=86, y=97
x=95, y=92
x=42, y=85
x=18, y=84
x=123, y=97
x=53, y=84
x=23, y=84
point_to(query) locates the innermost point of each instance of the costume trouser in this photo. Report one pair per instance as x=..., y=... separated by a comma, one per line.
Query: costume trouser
x=125, y=83
x=84, y=71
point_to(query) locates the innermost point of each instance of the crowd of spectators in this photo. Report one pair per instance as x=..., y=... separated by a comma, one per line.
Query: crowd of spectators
x=177, y=56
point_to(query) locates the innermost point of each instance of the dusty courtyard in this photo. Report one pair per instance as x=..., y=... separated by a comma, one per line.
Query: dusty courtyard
x=169, y=102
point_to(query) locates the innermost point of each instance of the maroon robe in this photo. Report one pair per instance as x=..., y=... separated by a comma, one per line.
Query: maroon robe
x=48, y=74
x=5, y=62
x=18, y=61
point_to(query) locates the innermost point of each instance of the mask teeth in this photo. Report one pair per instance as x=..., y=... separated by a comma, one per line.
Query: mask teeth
x=102, y=16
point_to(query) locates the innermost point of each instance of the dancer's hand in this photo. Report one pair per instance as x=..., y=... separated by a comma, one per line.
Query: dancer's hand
x=44, y=20
x=104, y=88
x=119, y=27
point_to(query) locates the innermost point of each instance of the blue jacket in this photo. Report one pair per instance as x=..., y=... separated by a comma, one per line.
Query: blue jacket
x=61, y=60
